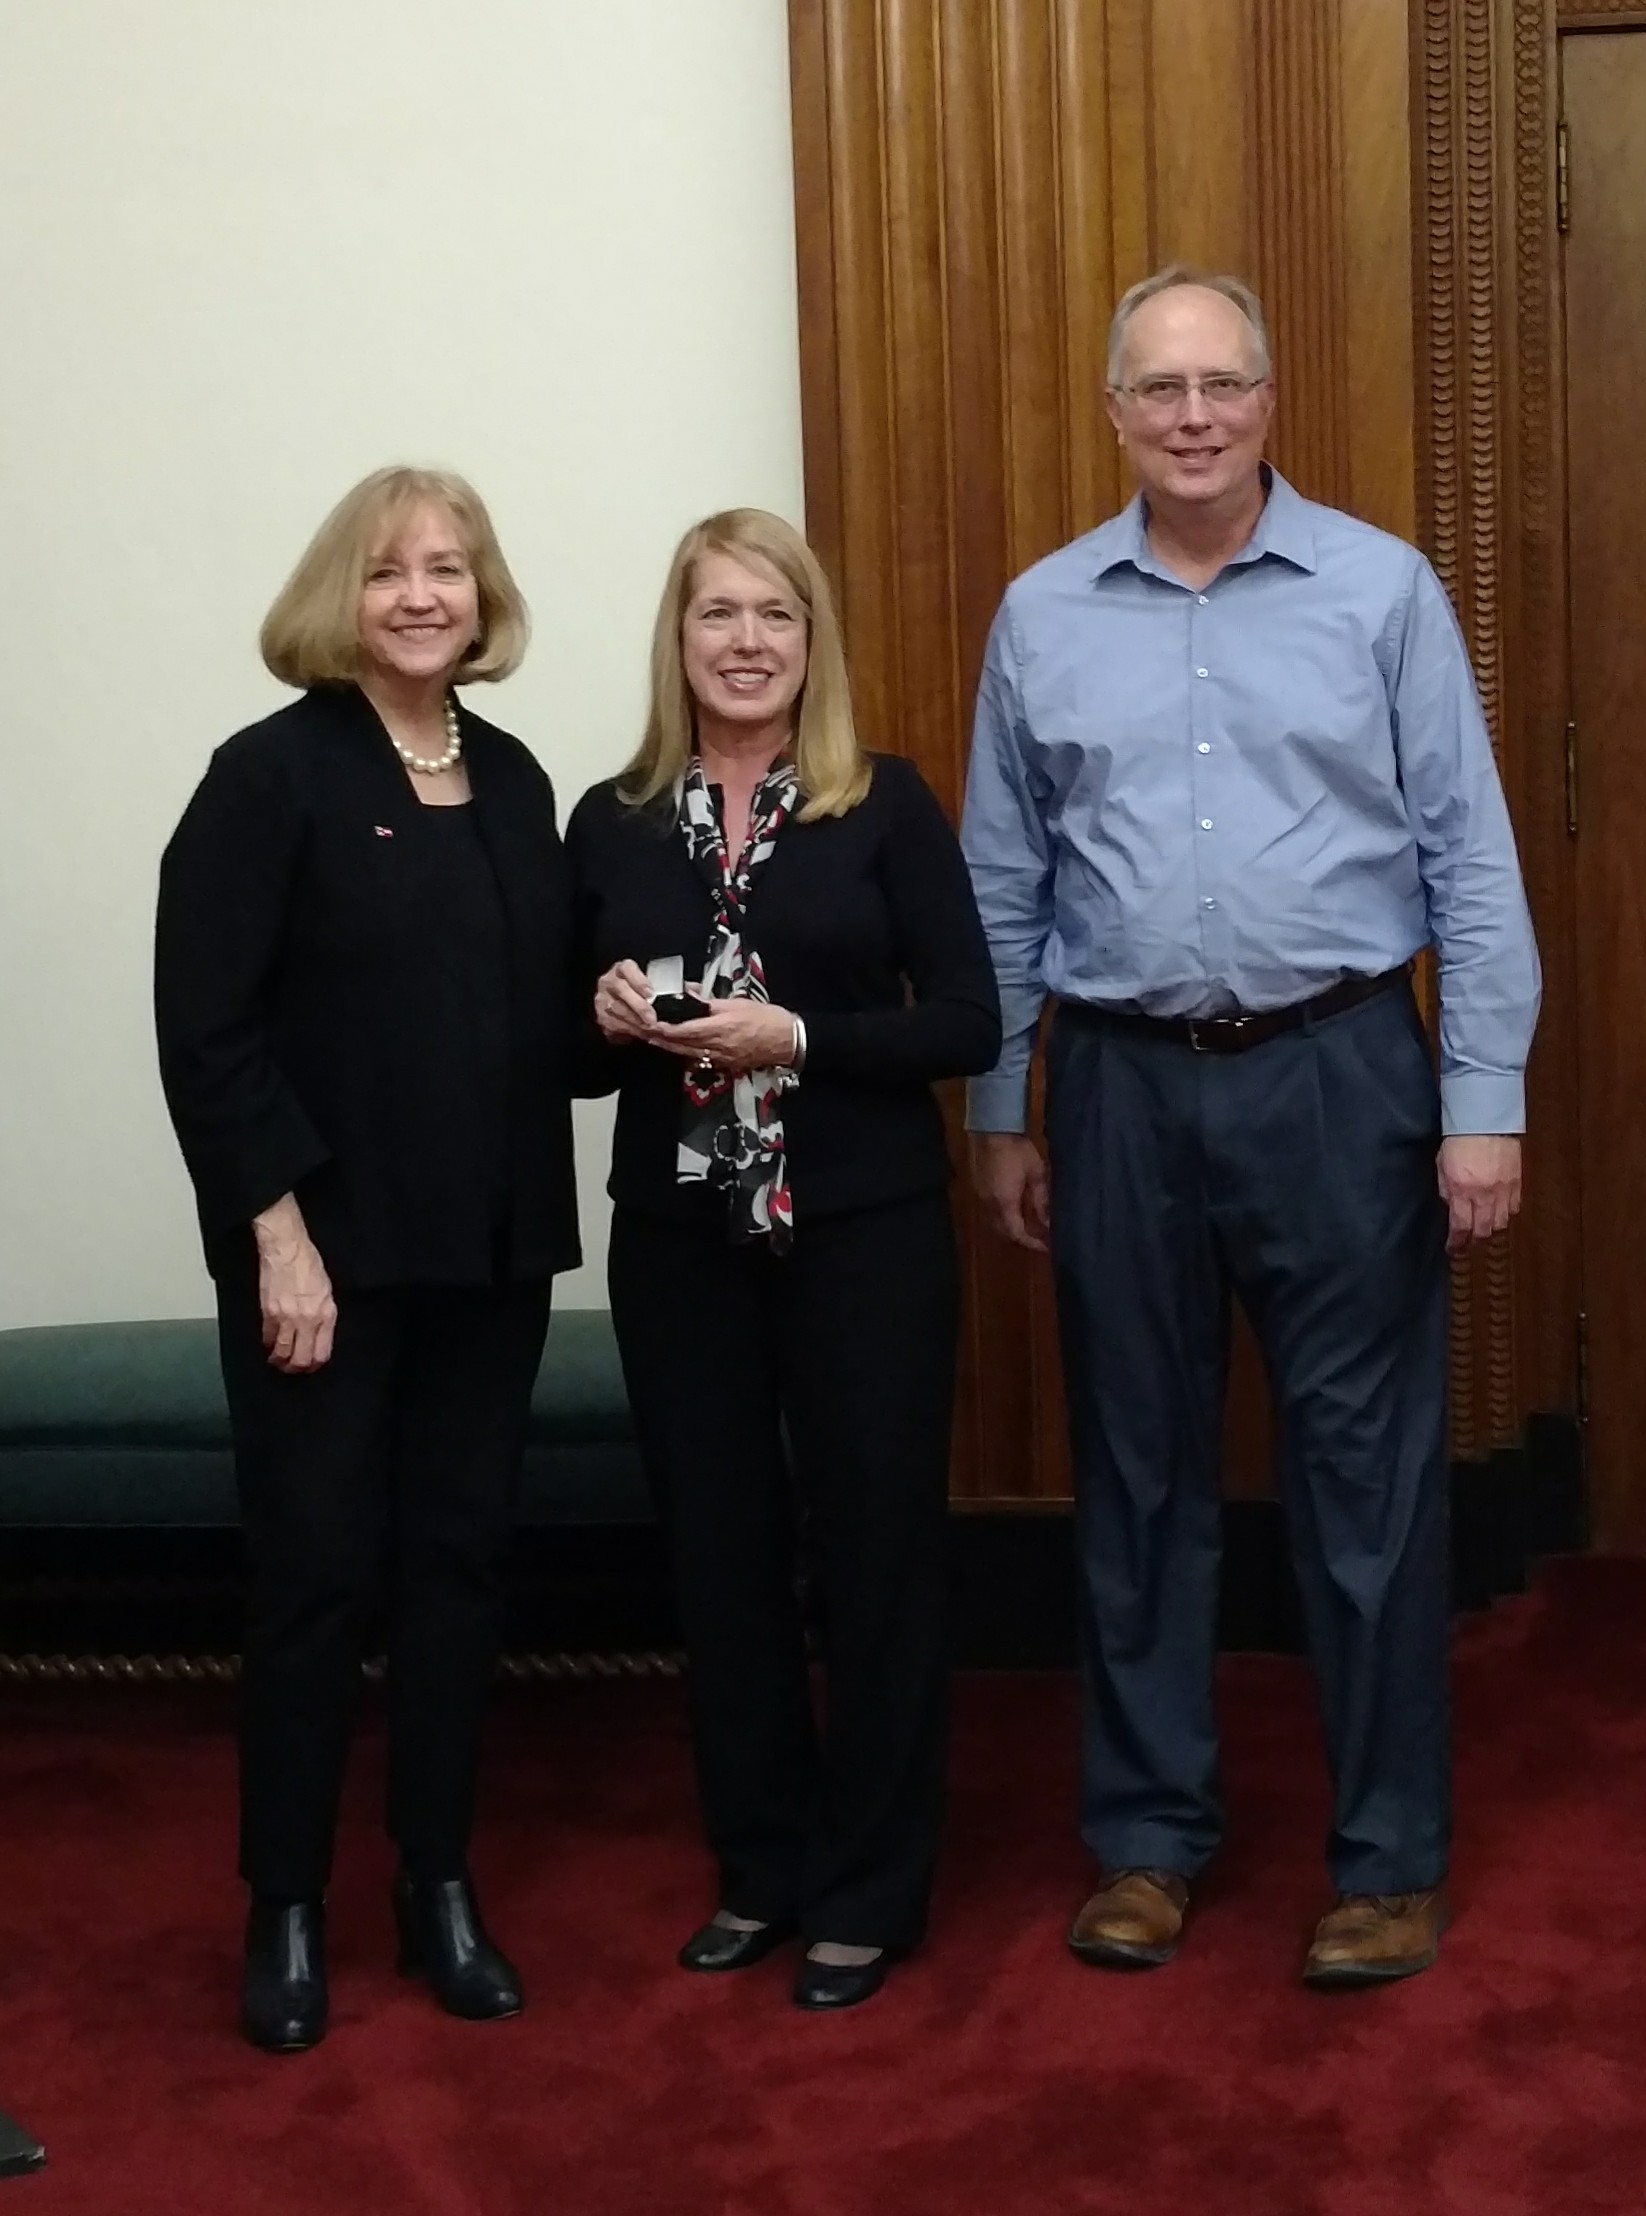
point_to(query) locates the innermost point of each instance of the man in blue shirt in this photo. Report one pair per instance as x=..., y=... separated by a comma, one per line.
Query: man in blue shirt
x=1230, y=774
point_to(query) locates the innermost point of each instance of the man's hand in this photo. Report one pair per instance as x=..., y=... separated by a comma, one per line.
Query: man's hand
x=1009, y=1177
x=1480, y=1184
x=299, y=1312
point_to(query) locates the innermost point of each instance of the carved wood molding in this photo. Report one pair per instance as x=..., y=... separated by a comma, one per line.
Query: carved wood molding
x=1491, y=517
x=1460, y=507
x=1599, y=15
x=1295, y=193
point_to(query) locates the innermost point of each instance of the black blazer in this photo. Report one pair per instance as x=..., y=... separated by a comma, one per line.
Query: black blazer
x=867, y=929
x=292, y=936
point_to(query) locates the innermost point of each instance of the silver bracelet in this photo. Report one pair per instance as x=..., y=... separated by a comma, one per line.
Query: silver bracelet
x=797, y=1054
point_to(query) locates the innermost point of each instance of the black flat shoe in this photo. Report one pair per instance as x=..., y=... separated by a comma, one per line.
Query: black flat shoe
x=837, y=1985
x=719, y=1947
x=443, y=1941
x=283, y=2000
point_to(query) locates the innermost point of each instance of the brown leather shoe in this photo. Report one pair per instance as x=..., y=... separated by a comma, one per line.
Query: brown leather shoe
x=1373, y=1938
x=1133, y=1922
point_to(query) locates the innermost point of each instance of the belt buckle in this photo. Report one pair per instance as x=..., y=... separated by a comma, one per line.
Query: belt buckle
x=1199, y=1024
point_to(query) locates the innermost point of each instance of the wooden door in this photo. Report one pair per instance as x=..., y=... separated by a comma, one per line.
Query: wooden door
x=1604, y=95
x=976, y=183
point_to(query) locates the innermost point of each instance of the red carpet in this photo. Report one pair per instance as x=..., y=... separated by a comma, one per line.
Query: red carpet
x=993, y=2075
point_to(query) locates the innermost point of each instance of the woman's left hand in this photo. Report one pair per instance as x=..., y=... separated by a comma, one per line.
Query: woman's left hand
x=739, y=1035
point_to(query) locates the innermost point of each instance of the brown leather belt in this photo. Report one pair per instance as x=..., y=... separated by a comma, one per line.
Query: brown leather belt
x=1239, y=1033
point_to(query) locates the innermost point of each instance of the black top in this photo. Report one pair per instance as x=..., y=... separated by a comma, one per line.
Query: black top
x=363, y=1000
x=465, y=994
x=867, y=930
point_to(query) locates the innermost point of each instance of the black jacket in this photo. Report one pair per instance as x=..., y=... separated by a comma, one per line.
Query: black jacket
x=293, y=947
x=866, y=928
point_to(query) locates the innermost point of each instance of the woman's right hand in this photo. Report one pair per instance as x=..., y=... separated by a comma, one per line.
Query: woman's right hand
x=623, y=1004
x=299, y=1312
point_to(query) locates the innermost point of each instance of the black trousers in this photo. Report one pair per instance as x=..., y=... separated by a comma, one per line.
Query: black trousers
x=846, y=1345
x=394, y=1468
x=1300, y=1174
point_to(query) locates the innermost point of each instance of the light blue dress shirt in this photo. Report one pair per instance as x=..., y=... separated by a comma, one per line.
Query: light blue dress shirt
x=1186, y=802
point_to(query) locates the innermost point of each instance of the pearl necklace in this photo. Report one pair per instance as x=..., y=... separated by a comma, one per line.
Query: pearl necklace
x=454, y=747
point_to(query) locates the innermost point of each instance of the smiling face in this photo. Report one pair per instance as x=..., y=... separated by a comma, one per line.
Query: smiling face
x=420, y=604
x=743, y=644
x=1189, y=451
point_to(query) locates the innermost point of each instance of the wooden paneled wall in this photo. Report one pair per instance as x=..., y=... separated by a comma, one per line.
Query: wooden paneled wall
x=976, y=182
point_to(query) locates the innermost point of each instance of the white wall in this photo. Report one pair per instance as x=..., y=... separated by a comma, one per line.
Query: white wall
x=250, y=249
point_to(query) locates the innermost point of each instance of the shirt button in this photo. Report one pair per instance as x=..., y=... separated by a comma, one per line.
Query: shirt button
x=1203, y=748
x=1203, y=673
x=1208, y=904
x=1205, y=823
x=1201, y=597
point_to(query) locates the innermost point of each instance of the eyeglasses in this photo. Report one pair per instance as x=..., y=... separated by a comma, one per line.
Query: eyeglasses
x=1165, y=395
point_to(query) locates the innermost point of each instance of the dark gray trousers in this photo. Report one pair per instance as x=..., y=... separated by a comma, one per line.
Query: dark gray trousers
x=1299, y=1175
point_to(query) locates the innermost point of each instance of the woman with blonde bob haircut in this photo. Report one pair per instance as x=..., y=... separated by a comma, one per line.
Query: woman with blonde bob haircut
x=361, y=976
x=312, y=635
x=783, y=952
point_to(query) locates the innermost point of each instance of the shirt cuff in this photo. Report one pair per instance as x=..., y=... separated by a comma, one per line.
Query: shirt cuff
x=1477, y=1104
x=998, y=1102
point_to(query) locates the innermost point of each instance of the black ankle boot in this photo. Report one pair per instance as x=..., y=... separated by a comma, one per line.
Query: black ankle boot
x=443, y=1941
x=283, y=1999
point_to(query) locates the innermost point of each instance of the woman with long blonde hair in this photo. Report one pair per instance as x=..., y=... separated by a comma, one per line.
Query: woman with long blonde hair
x=784, y=954
x=360, y=986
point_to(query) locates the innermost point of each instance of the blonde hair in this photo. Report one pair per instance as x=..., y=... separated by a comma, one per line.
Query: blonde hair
x=1168, y=280
x=833, y=773
x=311, y=636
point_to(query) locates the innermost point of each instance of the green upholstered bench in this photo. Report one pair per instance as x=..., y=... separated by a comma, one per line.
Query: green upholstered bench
x=123, y=1426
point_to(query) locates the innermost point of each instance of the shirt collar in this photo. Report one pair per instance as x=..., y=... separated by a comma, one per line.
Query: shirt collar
x=1284, y=529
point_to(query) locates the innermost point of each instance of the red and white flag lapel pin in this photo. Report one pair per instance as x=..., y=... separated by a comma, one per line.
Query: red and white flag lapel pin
x=382, y=830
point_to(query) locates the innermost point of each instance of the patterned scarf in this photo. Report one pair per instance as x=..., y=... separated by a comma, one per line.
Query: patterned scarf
x=731, y=1133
